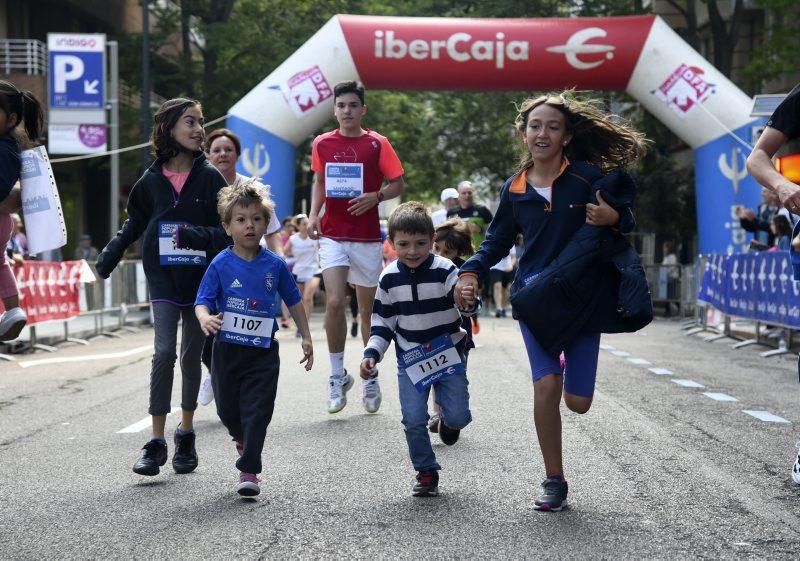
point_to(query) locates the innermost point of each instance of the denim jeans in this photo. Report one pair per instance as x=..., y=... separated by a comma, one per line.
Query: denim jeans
x=451, y=394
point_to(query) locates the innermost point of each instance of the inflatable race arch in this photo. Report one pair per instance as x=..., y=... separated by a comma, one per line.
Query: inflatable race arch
x=640, y=55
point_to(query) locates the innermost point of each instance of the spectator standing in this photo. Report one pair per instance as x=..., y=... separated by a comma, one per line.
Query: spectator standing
x=449, y=198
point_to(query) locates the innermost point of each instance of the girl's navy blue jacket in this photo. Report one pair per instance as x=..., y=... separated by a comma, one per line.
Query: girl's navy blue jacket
x=153, y=200
x=582, y=292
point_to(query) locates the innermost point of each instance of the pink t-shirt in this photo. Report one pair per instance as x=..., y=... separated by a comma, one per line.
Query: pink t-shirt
x=178, y=180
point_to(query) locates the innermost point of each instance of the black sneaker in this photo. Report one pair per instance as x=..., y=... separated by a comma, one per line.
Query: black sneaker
x=433, y=424
x=184, y=460
x=449, y=436
x=354, y=329
x=554, y=495
x=154, y=455
x=427, y=484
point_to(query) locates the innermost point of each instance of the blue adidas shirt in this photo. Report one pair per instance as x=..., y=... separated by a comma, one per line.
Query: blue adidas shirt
x=233, y=283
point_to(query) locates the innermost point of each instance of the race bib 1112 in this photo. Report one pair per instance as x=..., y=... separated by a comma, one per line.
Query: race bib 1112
x=428, y=363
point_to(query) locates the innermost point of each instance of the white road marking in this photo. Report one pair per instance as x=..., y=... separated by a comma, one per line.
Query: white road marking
x=661, y=371
x=688, y=383
x=639, y=361
x=606, y=347
x=765, y=416
x=620, y=353
x=83, y=358
x=720, y=396
x=139, y=426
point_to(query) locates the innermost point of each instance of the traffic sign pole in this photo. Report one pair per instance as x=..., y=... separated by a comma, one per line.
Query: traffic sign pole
x=113, y=125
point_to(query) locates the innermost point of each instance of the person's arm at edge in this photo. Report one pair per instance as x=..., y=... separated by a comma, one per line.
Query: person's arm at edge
x=762, y=168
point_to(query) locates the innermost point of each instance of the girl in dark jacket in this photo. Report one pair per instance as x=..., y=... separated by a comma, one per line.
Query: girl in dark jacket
x=569, y=145
x=179, y=190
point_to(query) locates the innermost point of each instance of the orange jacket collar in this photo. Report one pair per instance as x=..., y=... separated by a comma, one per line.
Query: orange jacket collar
x=519, y=184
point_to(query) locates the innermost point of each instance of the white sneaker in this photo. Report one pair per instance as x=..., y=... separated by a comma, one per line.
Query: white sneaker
x=338, y=392
x=206, y=394
x=371, y=394
x=11, y=323
x=796, y=468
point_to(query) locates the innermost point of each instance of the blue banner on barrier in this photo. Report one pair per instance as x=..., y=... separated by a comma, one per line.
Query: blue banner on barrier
x=757, y=286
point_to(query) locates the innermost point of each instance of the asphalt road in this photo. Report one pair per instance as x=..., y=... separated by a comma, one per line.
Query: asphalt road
x=656, y=469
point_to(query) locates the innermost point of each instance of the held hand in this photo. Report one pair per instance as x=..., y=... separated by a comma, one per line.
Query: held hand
x=474, y=228
x=211, y=324
x=468, y=295
x=313, y=227
x=308, y=354
x=601, y=214
x=789, y=195
x=362, y=203
x=465, y=282
x=367, y=366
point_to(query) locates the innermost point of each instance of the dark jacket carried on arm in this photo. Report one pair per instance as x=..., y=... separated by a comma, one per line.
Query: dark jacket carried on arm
x=579, y=278
x=153, y=200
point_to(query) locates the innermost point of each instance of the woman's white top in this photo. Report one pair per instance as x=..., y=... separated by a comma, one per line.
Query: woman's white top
x=306, y=257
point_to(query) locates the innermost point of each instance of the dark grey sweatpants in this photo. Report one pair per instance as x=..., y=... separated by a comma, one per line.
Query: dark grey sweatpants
x=245, y=381
x=165, y=325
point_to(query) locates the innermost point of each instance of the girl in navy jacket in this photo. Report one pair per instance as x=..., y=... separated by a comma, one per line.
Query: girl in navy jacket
x=569, y=145
x=179, y=190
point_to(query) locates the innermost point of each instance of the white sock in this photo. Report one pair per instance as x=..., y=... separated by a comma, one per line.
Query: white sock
x=337, y=364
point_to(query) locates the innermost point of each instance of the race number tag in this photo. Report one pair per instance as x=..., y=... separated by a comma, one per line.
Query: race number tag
x=246, y=330
x=428, y=363
x=171, y=255
x=344, y=181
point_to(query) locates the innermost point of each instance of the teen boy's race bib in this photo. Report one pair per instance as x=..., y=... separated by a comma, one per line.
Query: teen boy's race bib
x=171, y=255
x=426, y=364
x=344, y=181
x=243, y=324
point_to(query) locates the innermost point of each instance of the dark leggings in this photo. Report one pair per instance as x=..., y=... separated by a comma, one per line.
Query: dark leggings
x=165, y=325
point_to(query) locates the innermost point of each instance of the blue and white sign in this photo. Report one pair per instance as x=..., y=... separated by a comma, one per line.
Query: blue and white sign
x=170, y=254
x=77, y=70
x=428, y=363
x=753, y=285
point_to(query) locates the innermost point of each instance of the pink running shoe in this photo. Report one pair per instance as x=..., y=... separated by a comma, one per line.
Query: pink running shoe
x=248, y=485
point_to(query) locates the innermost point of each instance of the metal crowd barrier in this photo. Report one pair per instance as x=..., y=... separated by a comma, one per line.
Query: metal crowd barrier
x=106, y=306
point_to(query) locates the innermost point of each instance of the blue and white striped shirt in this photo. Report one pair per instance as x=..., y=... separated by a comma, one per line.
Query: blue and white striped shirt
x=414, y=306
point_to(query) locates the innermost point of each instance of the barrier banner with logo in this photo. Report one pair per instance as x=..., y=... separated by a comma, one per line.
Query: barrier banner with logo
x=50, y=290
x=756, y=286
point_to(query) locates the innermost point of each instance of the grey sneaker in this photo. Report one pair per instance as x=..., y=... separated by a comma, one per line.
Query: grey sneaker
x=371, y=394
x=338, y=392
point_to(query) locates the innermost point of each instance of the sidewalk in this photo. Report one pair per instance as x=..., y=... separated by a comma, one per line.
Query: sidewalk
x=81, y=328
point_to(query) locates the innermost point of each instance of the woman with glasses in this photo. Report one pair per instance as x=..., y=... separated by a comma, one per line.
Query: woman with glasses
x=569, y=145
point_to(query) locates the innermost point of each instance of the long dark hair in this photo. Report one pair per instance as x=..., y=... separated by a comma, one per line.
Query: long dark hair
x=26, y=107
x=164, y=146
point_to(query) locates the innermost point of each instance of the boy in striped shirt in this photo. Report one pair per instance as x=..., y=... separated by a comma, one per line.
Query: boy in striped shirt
x=414, y=307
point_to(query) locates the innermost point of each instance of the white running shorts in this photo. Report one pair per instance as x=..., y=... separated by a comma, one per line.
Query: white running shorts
x=365, y=259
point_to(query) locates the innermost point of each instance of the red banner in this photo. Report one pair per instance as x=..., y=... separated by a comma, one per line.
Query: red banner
x=48, y=290
x=495, y=54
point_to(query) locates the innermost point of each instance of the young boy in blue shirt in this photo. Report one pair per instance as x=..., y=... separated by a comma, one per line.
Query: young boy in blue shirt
x=414, y=307
x=236, y=301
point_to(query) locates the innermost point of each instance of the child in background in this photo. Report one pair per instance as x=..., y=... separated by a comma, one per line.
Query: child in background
x=15, y=107
x=178, y=192
x=452, y=240
x=236, y=301
x=414, y=307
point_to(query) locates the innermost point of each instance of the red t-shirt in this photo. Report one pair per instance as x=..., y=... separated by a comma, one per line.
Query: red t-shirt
x=380, y=162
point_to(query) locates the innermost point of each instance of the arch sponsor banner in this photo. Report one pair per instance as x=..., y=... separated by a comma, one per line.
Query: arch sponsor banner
x=641, y=55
